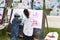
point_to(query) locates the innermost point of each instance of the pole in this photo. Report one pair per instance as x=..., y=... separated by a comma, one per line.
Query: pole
x=3, y=15
x=32, y=4
x=8, y=4
x=45, y=15
x=47, y=23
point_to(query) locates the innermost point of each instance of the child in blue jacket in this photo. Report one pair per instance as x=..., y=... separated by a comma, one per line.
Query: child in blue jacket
x=15, y=27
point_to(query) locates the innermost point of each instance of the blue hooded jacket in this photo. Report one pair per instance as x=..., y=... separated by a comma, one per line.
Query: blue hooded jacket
x=15, y=27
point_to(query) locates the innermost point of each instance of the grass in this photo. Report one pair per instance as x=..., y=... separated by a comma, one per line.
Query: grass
x=7, y=37
x=46, y=10
x=4, y=36
x=52, y=30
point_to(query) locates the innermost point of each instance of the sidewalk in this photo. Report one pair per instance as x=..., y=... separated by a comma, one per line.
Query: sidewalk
x=53, y=21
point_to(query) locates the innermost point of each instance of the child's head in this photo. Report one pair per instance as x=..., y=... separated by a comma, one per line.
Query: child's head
x=26, y=12
x=16, y=15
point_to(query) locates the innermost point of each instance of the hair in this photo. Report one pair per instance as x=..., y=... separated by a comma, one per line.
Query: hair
x=16, y=16
x=26, y=13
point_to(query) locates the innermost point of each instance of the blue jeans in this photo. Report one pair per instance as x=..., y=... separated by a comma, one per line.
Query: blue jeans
x=15, y=34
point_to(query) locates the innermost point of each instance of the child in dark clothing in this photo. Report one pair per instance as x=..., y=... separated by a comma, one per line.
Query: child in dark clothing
x=15, y=27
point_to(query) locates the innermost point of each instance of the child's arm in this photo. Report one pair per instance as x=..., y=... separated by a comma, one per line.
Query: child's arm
x=16, y=20
x=19, y=20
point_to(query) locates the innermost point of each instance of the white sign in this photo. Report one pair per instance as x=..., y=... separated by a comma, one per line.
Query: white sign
x=27, y=3
x=1, y=12
x=2, y=3
x=2, y=26
x=50, y=3
x=38, y=4
x=24, y=4
x=37, y=20
x=35, y=14
x=52, y=36
x=16, y=0
x=56, y=10
x=9, y=12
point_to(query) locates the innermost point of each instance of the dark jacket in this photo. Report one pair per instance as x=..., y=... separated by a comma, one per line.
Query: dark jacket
x=15, y=27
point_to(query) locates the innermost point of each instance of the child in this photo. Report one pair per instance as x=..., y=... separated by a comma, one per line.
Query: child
x=15, y=27
x=27, y=29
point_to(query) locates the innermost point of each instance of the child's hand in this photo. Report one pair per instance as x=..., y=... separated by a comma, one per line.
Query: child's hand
x=21, y=17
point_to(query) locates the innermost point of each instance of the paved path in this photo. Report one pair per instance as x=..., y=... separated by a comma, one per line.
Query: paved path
x=53, y=21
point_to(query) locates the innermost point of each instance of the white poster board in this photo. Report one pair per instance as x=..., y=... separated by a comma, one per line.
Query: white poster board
x=24, y=4
x=35, y=14
x=1, y=12
x=2, y=3
x=9, y=12
x=50, y=3
x=52, y=36
x=27, y=3
x=2, y=26
x=56, y=10
x=37, y=20
x=1, y=16
x=38, y=4
x=16, y=0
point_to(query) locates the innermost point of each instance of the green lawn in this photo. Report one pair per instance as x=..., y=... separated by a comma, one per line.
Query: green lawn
x=46, y=10
x=52, y=30
x=4, y=36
